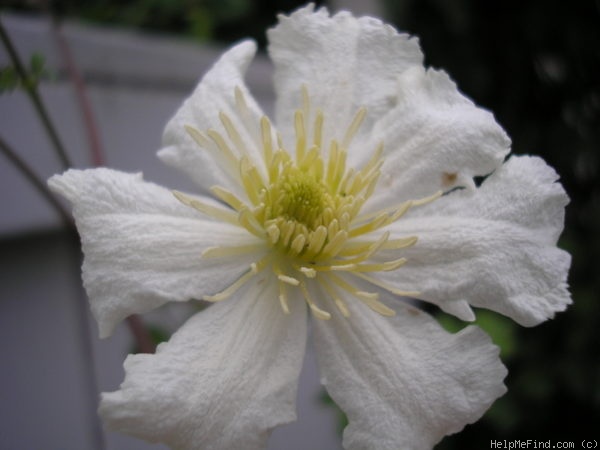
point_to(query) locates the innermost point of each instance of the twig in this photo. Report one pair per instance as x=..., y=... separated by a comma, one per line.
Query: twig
x=36, y=181
x=33, y=94
x=80, y=93
x=139, y=331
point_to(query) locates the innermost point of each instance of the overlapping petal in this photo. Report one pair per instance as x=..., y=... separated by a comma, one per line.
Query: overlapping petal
x=435, y=139
x=223, y=381
x=345, y=63
x=143, y=247
x=403, y=381
x=215, y=94
x=493, y=248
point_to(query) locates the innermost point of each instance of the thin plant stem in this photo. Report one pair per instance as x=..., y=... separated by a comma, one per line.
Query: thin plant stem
x=136, y=326
x=97, y=153
x=36, y=181
x=31, y=89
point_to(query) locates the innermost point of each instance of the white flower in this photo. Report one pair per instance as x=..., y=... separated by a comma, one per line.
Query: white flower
x=340, y=211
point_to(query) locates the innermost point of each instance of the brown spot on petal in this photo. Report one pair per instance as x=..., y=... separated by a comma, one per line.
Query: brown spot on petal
x=448, y=179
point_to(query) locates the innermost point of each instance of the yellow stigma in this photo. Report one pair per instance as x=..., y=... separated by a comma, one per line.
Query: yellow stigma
x=306, y=209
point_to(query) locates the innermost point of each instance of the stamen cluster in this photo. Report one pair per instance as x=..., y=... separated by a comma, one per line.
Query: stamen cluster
x=305, y=209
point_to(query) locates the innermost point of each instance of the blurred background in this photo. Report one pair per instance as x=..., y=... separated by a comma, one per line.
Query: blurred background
x=533, y=63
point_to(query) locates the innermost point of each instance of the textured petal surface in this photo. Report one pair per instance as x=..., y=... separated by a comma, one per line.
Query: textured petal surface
x=494, y=248
x=434, y=138
x=403, y=381
x=344, y=62
x=143, y=247
x=223, y=381
x=215, y=94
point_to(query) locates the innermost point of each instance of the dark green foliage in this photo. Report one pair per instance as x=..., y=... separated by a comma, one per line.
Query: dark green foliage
x=220, y=20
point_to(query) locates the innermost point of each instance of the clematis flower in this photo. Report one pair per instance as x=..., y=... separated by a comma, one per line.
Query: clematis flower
x=358, y=196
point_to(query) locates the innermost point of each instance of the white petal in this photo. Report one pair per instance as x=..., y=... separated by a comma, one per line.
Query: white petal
x=142, y=246
x=345, y=62
x=435, y=139
x=495, y=248
x=223, y=381
x=213, y=95
x=403, y=381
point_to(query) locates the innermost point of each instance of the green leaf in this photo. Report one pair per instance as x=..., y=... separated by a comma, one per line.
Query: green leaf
x=36, y=64
x=9, y=80
x=501, y=329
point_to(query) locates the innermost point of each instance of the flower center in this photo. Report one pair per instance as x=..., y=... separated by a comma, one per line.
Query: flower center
x=299, y=198
x=302, y=212
x=306, y=209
